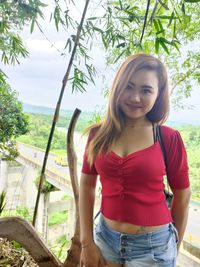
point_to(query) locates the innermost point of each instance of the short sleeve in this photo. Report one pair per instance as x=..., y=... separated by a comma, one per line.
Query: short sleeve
x=177, y=164
x=85, y=166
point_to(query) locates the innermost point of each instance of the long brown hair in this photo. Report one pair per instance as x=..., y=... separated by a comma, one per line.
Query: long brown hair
x=110, y=128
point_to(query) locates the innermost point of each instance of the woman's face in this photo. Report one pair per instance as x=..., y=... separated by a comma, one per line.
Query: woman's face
x=139, y=97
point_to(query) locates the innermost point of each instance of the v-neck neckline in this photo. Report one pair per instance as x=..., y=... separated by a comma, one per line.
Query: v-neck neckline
x=135, y=153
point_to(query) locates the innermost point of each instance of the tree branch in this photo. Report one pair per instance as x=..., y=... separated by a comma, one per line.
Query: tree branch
x=183, y=78
x=145, y=20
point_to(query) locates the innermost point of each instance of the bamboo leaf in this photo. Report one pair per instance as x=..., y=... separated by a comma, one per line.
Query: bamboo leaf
x=157, y=43
x=120, y=3
x=174, y=29
x=192, y=1
x=162, y=31
x=93, y=18
x=183, y=8
x=162, y=39
x=104, y=41
x=160, y=25
x=156, y=25
x=98, y=29
x=174, y=43
x=163, y=4
x=171, y=18
x=162, y=43
x=119, y=56
x=32, y=25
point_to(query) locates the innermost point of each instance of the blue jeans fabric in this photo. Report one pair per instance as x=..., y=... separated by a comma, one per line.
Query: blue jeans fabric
x=137, y=250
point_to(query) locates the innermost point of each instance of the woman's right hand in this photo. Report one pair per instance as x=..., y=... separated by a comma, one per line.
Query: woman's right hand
x=91, y=256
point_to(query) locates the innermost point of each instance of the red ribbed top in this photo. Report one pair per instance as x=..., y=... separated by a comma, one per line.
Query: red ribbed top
x=132, y=186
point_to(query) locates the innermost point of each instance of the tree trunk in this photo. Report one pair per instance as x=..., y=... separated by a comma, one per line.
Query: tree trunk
x=73, y=255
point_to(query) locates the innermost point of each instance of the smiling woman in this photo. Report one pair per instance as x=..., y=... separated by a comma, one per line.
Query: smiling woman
x=135, y=228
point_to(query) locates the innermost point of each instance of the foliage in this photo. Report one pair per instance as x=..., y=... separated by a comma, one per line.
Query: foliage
x=21, y=211
x=40, y=127
x=13, y=122
x=191, y=136
x=14, y=16
x=64, y=244
x=2, y=201
x=57, y=218
x=171, y=30
x=46, y=187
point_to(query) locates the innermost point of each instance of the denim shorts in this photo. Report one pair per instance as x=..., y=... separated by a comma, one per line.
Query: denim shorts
x=157, y=248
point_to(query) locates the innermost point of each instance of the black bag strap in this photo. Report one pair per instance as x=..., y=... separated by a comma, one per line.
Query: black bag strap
x=159, y=138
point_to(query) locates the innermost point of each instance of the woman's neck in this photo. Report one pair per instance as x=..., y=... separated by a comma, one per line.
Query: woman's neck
x=141, y=122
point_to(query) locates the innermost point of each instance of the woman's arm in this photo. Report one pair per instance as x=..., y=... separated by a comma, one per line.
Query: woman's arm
x=179, y=211
x=90, y=253
x=86, y=206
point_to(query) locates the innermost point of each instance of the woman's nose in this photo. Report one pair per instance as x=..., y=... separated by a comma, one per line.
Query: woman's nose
x=134, y=97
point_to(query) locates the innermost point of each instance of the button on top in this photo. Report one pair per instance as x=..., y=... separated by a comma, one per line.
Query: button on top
x=123, y=250
x=120, y=161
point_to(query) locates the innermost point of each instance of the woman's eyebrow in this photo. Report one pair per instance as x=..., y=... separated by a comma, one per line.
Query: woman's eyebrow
x=143, y=86
x=147, y=86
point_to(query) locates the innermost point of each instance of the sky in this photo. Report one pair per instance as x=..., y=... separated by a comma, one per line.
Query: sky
x=38, y=78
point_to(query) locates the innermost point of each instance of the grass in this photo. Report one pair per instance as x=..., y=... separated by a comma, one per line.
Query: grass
x=57, y=218
x=61, y=247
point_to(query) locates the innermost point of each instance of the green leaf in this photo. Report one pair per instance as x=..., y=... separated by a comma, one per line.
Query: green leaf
x=162, y=43
x=97, y=29
x=121, y=45
x=174, y=29
x=192, y=1
x=160, y=25
x=156, y=25
x=119, y=56
x=104, y=41
x=69, y=44
x=57, y=17
x=93, y=18
x=162, y=31
x=157, y=43
x=163, y=4
x=183, y=8
x=165, y=40
x=171, y=18
x=120, y=3
x=174, y=43
x=32, y=25
x=164, y=17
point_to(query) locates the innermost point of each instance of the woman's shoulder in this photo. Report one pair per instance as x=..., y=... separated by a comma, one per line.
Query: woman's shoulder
x=170, y=135
x=167, y=130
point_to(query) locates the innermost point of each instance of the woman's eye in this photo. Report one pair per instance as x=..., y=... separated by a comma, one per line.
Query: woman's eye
x=129, y=87
x=147, y=91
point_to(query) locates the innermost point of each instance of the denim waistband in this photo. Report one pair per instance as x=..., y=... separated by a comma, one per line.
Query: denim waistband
x=104, y=225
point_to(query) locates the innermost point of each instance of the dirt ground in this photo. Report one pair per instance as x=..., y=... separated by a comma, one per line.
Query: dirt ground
x=11, y=255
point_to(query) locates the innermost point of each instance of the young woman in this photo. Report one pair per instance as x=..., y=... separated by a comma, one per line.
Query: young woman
x=135, y=228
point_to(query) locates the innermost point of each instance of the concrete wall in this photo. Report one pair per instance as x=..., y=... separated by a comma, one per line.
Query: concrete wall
x=18, y=182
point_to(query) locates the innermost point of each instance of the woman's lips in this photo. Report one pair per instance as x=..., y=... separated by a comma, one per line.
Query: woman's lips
x=133, y=107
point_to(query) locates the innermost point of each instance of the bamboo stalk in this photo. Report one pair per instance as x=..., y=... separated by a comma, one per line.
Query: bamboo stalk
x=56, y=114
